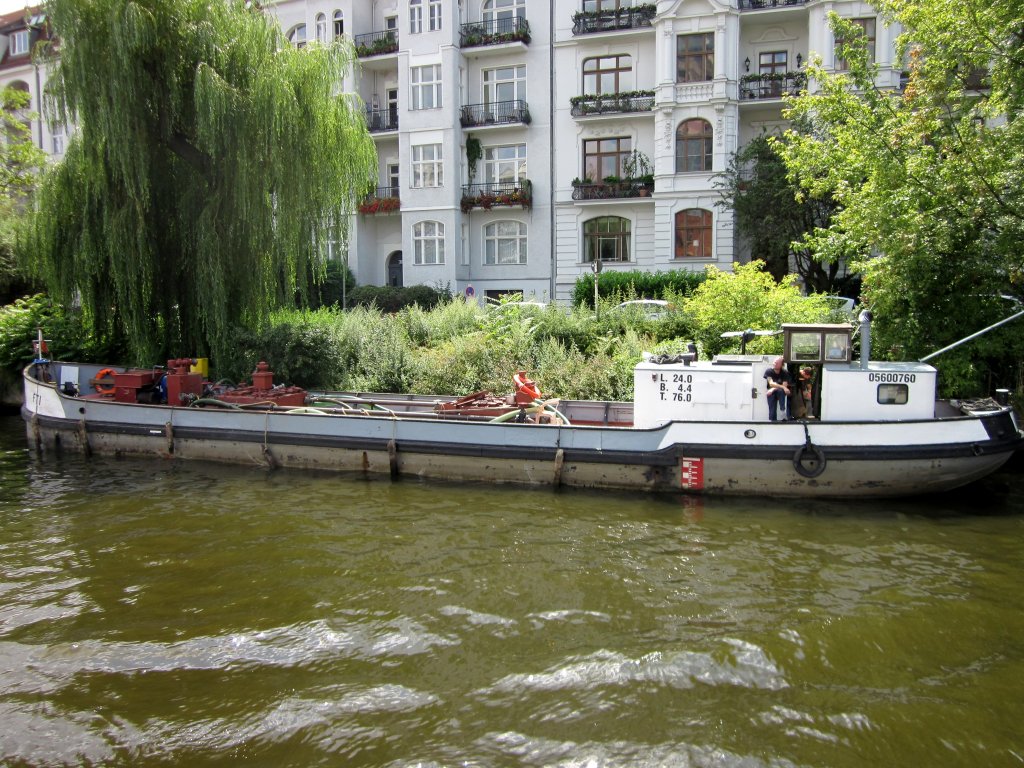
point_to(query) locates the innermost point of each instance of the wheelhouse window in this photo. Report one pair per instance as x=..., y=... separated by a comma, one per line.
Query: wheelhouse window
x=608, y=74
x=867, y=26
x=695, y=58
x=505, y=243
x=693, y=234
x=428, y=242
x=427, y=166
x=605, y=157
x=893, y=394
x=504, y=165
x=606, y=238
x=339, y=25
x=426, y=87
x=694, y=146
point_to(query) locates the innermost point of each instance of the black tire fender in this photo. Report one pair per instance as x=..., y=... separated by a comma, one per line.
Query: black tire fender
x=809, y=452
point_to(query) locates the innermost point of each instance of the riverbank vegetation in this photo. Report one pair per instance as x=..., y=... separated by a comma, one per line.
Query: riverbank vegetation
x=458, y=347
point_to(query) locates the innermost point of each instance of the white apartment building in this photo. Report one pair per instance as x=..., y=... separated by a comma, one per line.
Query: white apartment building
x=20, y=33
x=596, y=127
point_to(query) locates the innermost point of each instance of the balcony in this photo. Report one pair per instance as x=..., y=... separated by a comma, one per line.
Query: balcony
x=377, y=43
x=381, y=200
x=494, y=32
x=382, y=120
x=495, y=113
x=612, y=103
x=503, y=193
x=774, y=85
x=591, y=22
x=612, y=190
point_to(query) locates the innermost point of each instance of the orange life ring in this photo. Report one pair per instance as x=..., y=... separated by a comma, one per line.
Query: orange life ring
x=526, y=386
x=103, y=374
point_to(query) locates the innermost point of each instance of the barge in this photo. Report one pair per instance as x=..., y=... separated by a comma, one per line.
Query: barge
x=694, y=426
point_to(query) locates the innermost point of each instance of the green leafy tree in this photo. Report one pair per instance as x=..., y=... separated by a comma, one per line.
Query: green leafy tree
x=929, y=178
x=746, y=298
x=773, y=215
x=213, y=164
x=20, y=164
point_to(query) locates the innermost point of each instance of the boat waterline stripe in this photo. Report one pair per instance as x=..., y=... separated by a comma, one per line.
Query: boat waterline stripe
x=668, y=456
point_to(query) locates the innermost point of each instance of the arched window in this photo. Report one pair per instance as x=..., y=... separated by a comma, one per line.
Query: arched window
x=428, y=242
x=321, y=28
x=694, y=146
x=693, y=234
x=608, y=74
x=297, y=35
x=606, y=238
x=339, y=24
x=505, y=243
x=497, y=10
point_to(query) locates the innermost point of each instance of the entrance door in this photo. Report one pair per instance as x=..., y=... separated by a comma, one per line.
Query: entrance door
x=395, y=269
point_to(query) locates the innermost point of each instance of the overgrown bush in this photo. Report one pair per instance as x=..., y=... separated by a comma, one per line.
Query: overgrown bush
x=623, y=286
x=63, y=328
x=748, y=297
x=388, y=299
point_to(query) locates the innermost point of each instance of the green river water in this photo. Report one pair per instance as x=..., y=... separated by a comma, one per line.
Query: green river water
x=156, y=613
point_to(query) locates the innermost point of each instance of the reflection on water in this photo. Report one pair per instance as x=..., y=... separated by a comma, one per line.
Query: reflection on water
x=168, y=613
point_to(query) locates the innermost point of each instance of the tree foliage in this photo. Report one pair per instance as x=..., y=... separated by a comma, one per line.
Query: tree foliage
x=929, y=178
x=749, y=297
x=212, y=165
x=20, y=163
x=773, y=216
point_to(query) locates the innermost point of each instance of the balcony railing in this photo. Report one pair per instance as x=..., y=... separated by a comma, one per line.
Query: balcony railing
x=497, y=193
x=382, y=200
x=775, y=85
x=608, y=103
x=495, y=113
x=610, y=190
x=760, y=5
x=380, y=120
x=377, y=43
x=589, y=22
x=494, y=32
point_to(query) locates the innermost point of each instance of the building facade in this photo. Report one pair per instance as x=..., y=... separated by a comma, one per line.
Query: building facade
x=520, y=142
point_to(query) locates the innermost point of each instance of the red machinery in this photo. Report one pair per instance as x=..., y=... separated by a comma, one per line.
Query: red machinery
x=262, y=391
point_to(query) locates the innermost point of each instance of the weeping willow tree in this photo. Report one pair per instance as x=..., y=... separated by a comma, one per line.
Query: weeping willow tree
x=212, y=165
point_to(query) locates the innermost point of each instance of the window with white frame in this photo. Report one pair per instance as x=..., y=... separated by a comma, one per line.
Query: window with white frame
x=502, y=10
x=428, y=242
x=297, y=35
x=434, y=15
x=415, y=16
x=427, y=166
x=339, y=25
x=59, y=133
x=505, y=165
x=426, y=87
x=19, y=43
x=321, y=28
x=505, y=243
x=504, y=84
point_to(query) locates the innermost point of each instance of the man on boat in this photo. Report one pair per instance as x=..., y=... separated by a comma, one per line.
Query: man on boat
x=778, y=380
